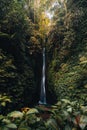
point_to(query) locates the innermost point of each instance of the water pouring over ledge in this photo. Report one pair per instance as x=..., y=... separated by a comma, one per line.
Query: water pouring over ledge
x=43, y=90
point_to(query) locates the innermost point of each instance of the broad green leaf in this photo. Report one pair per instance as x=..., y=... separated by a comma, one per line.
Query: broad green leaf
x=73, y=103
x=6, y=121
x=11, y=126
x=69, y=109
x=83, y=62
x=7, y=100
x=83, y=122
x=66, y=114
x=15, y=114
x=3, y=104
x=66, y=101
x=84, y=108
x=52, y=123
x=32, y=111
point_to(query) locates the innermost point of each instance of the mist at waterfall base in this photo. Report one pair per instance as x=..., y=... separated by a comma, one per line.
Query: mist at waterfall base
x=43, y=90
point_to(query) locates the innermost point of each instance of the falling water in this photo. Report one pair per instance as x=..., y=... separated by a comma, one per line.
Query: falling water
x=43, y=91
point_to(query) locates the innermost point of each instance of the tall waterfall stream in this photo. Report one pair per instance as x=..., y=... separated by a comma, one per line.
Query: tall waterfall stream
x=43, y=90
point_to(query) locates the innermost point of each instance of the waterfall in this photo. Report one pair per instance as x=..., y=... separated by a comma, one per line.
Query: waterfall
x=43, y=90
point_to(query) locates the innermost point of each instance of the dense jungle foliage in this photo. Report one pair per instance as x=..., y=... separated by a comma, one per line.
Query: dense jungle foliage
x=67, y=50
x=25, y=27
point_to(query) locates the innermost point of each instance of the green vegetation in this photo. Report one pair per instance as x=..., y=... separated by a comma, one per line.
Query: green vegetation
x=25, y=27
x=19, y=49
x=64, y=115
x=67, y=52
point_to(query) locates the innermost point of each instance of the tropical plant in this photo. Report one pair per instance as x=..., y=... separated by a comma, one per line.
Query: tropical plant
x=4, y=100
x=70, y=115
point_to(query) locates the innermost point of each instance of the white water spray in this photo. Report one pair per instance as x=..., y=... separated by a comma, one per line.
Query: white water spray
x=43, y=90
